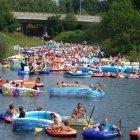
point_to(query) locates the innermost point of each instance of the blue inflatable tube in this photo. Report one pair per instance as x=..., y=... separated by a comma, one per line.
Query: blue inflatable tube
x=130, y=68
x=75, y=92
x=27, y=52
x=112, y=69
x=34, y=119
x=92, y=134
x=45, y=72
x=3, y=115
x=76, y=74
x=20, y=72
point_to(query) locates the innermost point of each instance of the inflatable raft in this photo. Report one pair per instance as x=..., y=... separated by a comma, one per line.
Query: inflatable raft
x=134, y=133
x=91, y=134
x=33, y=119
x=77, y=122
x=75, y=91
x=4, y=115
x=77, y=74
x=28, y=83
x=8, y=89
x=71, y=133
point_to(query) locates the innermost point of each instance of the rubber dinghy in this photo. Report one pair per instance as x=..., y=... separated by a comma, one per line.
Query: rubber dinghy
x=71, y=133
x=134, y=133
x=77, y=74
x=75, y=91
x=91, y=134
x=34, y=119
x=8, y=89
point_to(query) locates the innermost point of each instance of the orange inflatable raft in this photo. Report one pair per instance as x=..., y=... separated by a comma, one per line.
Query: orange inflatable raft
x=28, y=83
x=2, y=82
x=134, y=133
x=50, y=131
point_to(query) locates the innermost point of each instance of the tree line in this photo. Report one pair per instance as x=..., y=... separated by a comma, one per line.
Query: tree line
x=91, y=7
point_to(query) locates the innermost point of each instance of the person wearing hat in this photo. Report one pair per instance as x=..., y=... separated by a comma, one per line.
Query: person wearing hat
x=79, y=112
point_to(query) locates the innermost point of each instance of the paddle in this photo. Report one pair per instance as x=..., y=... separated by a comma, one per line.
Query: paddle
x=89, y=117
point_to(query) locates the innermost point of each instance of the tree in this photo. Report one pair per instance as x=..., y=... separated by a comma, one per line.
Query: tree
x=119, y=30
x=3, y=48
x=70, y=22
x=7, y=21
x=55, y=25
x=62, y=6
x=90, y=6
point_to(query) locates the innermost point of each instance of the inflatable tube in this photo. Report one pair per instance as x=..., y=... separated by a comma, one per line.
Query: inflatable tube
x=28, y=83
x=112, y=68
x=98, y=75
x=50, y=131
x=33, y=119
x=134, y=133
x=5, y=66
x=44, y=72
x=8, y=89
x=3, y=115
x=20, y=72
x=91, y=134
x=8, y=119
x=27, y=52
x=77, y=74
x=70, y=85
x=75, y=92
x=2, y=82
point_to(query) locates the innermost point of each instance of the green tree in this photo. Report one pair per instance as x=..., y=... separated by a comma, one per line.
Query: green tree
x=7, y=21
x=55, y=25
x=90, y=6
x=3, y=48
x=70, y=22
x=62, y=6
x=119, y=29
x=48, y=6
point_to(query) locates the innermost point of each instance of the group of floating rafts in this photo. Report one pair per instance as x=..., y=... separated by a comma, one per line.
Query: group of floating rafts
x=75, y=90
x=116, y=75
x=77, y=74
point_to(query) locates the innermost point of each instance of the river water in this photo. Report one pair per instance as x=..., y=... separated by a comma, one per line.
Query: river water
x=121, y=102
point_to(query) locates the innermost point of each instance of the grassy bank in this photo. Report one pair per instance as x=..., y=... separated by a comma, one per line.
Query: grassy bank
x=12, y=39
x=20, y=39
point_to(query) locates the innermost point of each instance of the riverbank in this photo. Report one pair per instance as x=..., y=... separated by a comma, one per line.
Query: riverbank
x=8, y=40
x=20, y=39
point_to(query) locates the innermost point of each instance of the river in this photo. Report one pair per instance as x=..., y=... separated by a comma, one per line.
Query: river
x=121, y=102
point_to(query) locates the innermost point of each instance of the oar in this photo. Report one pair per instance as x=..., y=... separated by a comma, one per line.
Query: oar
x=120, y=126
x=89, y=117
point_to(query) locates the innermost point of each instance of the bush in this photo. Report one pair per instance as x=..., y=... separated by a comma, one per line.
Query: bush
x=77, y=36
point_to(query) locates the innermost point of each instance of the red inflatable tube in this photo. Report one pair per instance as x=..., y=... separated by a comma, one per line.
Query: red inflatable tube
x=8, y=120
x=134, y=133
x=50, y=131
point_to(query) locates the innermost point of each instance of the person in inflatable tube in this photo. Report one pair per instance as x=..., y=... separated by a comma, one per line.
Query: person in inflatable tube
x=21, y=112
x=11, y=111
x=105, y=126
x=57, y=126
